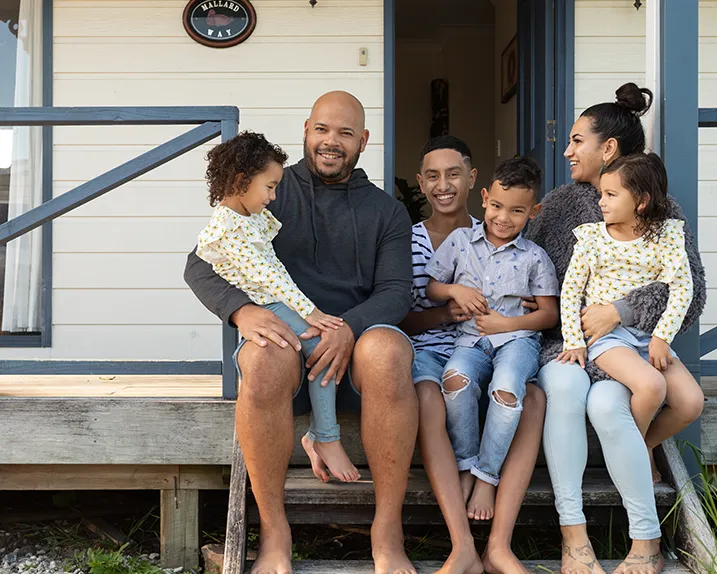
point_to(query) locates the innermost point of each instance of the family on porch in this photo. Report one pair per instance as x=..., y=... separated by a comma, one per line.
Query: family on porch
x=555, y=310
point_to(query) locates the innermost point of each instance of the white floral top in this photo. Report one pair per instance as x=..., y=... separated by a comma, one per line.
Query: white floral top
x=239, y=249
x=605, y=270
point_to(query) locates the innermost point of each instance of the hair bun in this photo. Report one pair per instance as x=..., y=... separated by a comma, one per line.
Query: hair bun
x=637, y=100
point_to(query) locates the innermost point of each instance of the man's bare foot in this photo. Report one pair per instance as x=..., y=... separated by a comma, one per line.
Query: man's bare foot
x=579, y=556
x=389, y=555
x=335, y=457
x=467, y=483
x=481, y=506
x=644, y=558
x=463, y=560
x=274, y=551
x=317, y=465
x=500, y=560
x=656, y=476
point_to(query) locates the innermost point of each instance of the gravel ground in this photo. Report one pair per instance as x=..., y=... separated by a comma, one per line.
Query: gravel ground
x=19, y=555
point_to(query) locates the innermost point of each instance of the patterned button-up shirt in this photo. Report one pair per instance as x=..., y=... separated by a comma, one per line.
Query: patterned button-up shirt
x=505, y=275
x=603, y=270
x=239, y=249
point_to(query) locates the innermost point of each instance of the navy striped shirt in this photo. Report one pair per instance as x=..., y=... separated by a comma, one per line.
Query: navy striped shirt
x=442, y=339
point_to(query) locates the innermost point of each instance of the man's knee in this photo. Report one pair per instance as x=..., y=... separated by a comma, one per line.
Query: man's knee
x=268, y=372
x=384, y=349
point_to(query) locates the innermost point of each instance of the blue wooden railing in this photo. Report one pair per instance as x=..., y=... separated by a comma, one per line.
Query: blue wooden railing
x=210, y=121
x=708, y=339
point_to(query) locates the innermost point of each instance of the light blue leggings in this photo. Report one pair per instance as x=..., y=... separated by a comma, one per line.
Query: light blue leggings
x=565, y=442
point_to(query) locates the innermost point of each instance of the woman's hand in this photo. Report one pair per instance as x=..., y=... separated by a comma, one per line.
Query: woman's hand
x=660, y=355
x=598, y=320
x=530, y=304
x=573, y=356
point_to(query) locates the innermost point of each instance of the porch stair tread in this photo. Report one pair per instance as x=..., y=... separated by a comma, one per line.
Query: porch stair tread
x=302, y=487
x=429, y=567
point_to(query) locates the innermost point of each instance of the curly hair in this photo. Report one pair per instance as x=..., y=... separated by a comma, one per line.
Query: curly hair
x=644, y=174
x=248, y=154
x=518, y=172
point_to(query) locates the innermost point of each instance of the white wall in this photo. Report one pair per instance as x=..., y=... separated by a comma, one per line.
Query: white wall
x=118, y=291
x=609, y=51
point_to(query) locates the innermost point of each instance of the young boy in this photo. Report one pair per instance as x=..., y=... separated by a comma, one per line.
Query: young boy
x=488, y=271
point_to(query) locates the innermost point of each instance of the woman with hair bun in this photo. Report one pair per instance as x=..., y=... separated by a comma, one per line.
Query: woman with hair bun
x=603, y=133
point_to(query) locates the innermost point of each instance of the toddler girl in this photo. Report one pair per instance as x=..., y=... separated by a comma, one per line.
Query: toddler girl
x=635, y=245
x=243, y=175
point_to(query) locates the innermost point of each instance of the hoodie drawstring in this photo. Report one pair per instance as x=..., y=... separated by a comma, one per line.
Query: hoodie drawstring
x=359, y=275
x=313, y=225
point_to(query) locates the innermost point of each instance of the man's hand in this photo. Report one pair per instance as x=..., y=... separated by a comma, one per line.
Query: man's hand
x=258, y=325
x=660, y=355
x=491, y=323
x=454, y=313
x=598, y=320
x=573, y=356
x=470, y=300
x=333, y=351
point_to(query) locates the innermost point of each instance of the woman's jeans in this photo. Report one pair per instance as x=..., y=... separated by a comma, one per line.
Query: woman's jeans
x=607, y=403
x=323, y=427
x=508, y=368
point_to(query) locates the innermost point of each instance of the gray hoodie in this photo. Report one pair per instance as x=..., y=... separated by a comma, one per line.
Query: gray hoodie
x=346, y=246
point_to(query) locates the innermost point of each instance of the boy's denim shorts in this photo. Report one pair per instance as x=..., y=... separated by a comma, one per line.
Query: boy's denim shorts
x=428, y=366
x=627, y=337
x=348, y=399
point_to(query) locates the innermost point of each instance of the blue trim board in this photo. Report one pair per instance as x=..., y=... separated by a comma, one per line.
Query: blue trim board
x=389, y=96
x=708, y=368
x=708, y=341
x=52, y=367
x=708, y=117
x=565, y=84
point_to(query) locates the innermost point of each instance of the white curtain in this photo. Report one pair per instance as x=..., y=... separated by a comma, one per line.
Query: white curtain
x=23, y=262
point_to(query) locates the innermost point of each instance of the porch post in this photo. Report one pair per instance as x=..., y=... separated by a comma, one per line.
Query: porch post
x=678, y=109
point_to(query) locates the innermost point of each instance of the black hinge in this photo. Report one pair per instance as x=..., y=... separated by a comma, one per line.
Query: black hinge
x=550, y=128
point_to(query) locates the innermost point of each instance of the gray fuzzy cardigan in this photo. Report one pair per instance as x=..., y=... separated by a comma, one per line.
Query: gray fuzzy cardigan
x=577, y=203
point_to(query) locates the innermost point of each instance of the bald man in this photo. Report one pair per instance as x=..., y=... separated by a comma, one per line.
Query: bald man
x=347, y=245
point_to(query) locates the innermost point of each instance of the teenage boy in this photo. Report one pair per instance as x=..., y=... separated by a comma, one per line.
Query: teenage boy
x=446, y=178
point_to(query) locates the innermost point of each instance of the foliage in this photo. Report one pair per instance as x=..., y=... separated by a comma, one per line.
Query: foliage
x=412, y=198
x=98, y=561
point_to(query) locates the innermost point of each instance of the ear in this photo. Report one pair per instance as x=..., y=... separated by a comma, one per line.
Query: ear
x=236, y=185
x=306, y=127
x=419, y=179
x=484, y=195
x=364, y=140
x=536, y=209
x=472, y=178
x=644, y=202
x=611, y=151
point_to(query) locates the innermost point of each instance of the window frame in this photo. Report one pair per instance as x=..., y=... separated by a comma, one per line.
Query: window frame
x=44, y=338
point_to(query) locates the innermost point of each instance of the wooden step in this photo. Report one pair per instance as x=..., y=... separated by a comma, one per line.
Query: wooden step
x=429, y=567
x=302, y=487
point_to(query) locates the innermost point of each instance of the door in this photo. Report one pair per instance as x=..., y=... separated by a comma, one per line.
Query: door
x=536, y=86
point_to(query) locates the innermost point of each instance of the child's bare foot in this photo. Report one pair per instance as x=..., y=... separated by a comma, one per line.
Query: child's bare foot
x=335, y=457
x=317, y=465
x=656, y=476
x=644, y=558
x=463, y=560
x=482, y=502
x=467, y=483
x=501, y=560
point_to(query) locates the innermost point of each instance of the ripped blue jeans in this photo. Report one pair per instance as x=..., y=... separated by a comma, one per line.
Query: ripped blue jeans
x=508, y=368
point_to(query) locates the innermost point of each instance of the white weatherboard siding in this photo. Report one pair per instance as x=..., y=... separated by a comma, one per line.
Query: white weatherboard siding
x=118, y=291
x=609, y=51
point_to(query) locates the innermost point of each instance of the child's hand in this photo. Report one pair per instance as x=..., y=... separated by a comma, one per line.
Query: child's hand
x=660, y=355
x=573, y=356
x=491, y=323
x=470, y=300
x=323, y=321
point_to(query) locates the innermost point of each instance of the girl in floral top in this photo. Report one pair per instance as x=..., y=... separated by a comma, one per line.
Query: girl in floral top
x=634, y=246
x=243, y=174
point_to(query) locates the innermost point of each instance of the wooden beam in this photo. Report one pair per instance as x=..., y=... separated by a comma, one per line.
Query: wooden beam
x=179, y=528
x=128, y=116
x=108, y=181
x=235, y=545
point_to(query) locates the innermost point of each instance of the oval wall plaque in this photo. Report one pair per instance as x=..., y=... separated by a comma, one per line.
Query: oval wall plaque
x=219, y=23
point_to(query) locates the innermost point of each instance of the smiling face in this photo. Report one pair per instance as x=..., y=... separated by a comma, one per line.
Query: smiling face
x=507, y=211
x=334, y=137
x=446, y=179
x=587, y=154
x=260, y=192
x=617, y=203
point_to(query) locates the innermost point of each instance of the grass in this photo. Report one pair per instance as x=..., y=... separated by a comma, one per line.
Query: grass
x=99, y=561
